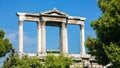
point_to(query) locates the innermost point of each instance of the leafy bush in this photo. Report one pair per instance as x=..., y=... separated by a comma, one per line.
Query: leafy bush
x=51, y=61
x=24, y=62
x=60, y=61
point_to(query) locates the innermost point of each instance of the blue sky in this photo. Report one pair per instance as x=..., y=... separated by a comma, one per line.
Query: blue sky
x=82, y=8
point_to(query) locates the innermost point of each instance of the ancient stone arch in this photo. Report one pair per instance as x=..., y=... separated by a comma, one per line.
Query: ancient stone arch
x=52, y=17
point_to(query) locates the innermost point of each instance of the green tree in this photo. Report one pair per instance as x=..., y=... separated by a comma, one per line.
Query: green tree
x=24, y=62
x=5, y=45
x=106, y=46
x=50, y=61
x=60, y=61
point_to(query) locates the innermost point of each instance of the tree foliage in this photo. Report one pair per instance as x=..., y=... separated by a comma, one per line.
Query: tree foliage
x=96, y=49
x=60, y=61
x=24, y=62
x=106, y=47
x=50, y=61
x=113, y=53
x=5, y=45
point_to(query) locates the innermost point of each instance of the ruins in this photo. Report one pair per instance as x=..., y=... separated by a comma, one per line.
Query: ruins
x=57, y=18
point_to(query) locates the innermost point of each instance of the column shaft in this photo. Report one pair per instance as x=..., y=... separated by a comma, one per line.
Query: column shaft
x=43, y=36
x=63, y=38
x=20, y=37
x=82, y=39
x=39, y=37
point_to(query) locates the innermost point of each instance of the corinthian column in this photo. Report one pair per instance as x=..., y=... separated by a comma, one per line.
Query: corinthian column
x=20, y=33
x=39, y=37
x=63, y=38
x=82, y=39
x=20, y=41
x=43, y=38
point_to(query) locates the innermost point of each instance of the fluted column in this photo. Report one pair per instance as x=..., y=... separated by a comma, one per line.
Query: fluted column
x=63, y=38
x=20, y=41
x=20, y=33
x=82, y=39
x=39, y=37
x=43, y=37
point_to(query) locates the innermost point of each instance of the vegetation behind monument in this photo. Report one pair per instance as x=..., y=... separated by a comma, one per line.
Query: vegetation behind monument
x=5, y=45
x=50, y=61
x=106, y=46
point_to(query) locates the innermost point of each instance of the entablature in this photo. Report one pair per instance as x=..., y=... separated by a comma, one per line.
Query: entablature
x=51, y=15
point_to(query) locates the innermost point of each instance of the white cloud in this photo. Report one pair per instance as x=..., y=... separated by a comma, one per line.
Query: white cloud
x=30, y=44
x=12, y=35
x=29, y=41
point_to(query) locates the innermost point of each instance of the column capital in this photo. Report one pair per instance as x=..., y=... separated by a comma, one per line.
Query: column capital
x=41, y=20
x=82, y=24
x=43, y=23
x=63, y=24
x=21, y=18
x=38, y=24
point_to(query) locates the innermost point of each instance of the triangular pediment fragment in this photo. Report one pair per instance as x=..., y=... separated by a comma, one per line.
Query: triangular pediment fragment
x=54, y=11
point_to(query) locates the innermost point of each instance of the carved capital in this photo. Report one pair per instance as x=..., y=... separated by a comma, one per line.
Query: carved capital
x=39, y=25
x=21, y=18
